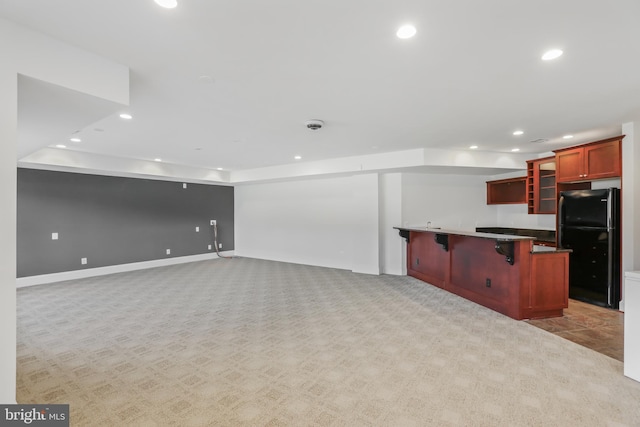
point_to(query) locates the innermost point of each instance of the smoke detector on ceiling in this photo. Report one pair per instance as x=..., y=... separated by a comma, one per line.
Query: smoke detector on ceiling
x=314, y=124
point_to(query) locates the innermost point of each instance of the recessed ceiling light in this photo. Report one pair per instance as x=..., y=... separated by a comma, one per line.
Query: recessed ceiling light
x=515, y=149
x=157, y=159
x=473, y=147
x=126, y=116
x=406, y=31
x=219, y=169
x=551, y=54
x=168, y=4
x=568, y=136
x=75, y=140
x=298, y=157
x=61, y=146
x=518, y=132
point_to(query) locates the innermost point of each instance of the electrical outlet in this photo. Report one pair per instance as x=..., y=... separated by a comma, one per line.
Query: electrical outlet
x=184, y=185
x=168, y=251
x=219, y=245
x=209, y=247
x=54, y=236
x=488, y=282
x=197, y=229
x=83, y=261
x=213, y=222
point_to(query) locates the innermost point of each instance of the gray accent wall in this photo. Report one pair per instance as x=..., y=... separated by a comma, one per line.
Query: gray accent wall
x=114, y=220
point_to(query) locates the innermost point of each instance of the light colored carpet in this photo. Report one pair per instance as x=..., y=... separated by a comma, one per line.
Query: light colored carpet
x=245, y=342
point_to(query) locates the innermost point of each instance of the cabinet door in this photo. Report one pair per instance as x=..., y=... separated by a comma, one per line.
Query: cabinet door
x=570, y=165
x=546, y=197
x=507, y=191
x=603, y=160
x=549, y=285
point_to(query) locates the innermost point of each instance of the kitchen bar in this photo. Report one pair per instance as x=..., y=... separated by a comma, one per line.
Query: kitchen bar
x=506, y=273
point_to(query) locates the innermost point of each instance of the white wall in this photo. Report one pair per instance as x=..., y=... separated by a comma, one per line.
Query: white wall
x=412, y=199
x=365, y=234
x=372, y=163
x=347, y=222
x=392, y=248
x=516, y=216
x=8, y=138
x=330, y=222
x=448, y=201
x=630, y=199
x=35, y=55
x=44, y=58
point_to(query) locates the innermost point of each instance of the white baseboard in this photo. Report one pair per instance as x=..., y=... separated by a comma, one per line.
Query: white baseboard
x=22, y=282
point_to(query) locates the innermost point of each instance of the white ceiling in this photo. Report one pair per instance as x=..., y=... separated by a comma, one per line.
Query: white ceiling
x=471, y=75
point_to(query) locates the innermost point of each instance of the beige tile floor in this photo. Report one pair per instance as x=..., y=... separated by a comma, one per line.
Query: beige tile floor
x=600, y=329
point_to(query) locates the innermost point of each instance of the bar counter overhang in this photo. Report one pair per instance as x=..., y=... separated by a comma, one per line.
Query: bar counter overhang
x=506, y=273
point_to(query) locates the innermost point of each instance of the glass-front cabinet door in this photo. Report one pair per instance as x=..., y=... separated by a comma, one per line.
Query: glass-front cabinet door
x=546, y=181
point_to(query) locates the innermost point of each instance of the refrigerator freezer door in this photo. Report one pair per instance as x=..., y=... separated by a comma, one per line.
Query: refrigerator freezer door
x=585, y=208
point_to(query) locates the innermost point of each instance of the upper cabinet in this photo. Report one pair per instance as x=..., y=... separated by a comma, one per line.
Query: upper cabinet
x=571, y=168
x=541, y=186
x=506, y=191
x=598, y=160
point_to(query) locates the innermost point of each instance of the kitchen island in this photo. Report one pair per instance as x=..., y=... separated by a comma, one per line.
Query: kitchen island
x=506, y=273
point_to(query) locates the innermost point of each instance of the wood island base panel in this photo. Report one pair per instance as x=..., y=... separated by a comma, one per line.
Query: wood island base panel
x=505, y=273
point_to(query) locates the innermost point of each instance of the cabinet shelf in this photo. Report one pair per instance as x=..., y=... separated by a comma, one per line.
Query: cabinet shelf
x=541, y=179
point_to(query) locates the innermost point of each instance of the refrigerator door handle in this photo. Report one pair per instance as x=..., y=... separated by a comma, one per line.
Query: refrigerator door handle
x=609, y=210
x=559, y=242
x=560, y=222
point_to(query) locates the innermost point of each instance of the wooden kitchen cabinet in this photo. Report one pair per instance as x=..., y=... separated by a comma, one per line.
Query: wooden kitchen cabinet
x=549, y=283
x=541, y=186
x=507, y=191
x=597, y=160
x=503, y=272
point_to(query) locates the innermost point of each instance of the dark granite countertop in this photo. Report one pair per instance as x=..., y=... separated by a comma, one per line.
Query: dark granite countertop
x=496, y=236
x=548, y=236
x=540, y=249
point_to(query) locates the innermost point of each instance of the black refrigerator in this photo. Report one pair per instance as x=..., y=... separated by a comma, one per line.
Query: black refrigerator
x=589, y=225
